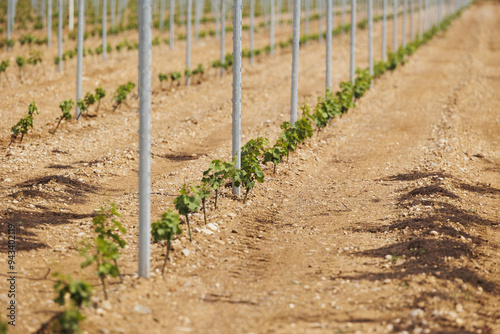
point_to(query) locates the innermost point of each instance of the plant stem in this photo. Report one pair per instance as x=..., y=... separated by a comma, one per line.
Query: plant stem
x=216, y=195
x=103, y=281
x=189, y=228
x=246, y=195
x=204, y=210
x=60, y=119
x=274, y=170
x=166, y=257
x=119, y=273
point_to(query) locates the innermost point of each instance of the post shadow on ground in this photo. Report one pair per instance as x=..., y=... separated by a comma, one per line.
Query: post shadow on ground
x=426, y=253
x=28, y=221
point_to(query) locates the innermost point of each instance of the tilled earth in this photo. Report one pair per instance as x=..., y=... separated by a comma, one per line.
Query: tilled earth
x=388, y=221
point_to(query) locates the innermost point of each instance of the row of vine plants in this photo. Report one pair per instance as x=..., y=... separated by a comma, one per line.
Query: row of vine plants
x=104, y=250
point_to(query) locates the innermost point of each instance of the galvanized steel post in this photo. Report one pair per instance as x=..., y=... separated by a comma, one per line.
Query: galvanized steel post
x=59, y=34
x=271, y=37
x=188, y=40
x=71, y=9
x=352, y=72
x=395, y=26
x=384, y=30
x=329, y=45
x=171, y=28
x=144, y=136
x=104, y=29
x=252, y=13
x=405, y=10
x=237, y=27
x=79, y=56
x=49, y=24
x=295, y=61
x=370, y=39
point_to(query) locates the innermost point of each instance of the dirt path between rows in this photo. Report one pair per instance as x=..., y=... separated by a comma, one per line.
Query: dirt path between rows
x=386, y=222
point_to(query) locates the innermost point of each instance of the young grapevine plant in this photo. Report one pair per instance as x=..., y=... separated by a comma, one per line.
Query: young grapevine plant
x=203, y=192
x=3, y=67
x=22, y=127
x=121, y=93
x=65, y=107
x=187, y=202
x=107, y=244
x=217, y=172
x=165, y=229
x=250, y=168
x=79, y=293
x=21, y=64
x=100, y=93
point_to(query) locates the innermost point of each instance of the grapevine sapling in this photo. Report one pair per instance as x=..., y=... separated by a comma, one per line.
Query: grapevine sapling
x=203, y=192
x=79, y=295
x=82, y=106
x=100, y=93
x=175, y=77
x=186, y=203
x=250, y=168
x=216, y=173
x=121, y=93
x=289, y=135
x=162, y=77
x=21, y=63
x=276, y=153
x=65, y=107
x=165, y=229
x=79, y=291
x=106, y=245
x=22, y=127
x=3, y=67
x=35, y=57
x=89, y=100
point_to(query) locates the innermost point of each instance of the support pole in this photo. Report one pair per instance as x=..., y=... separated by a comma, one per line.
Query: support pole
x=352, y=71
x=395, y=26
x=49, y=24
x=104, y=29
x=370, y=40
x=188, y=40
x=384, y=30
x=222, y=36
x=405, y=11
x=329, y=45
x=237, y=27
x=295, y=61
x=79, y=57
x=71, y=24
x=59, y=34
x=252, y=14
x=271, y=37
x=171, y=25
x=144, y=136
x=162, y=14
x=9, y=19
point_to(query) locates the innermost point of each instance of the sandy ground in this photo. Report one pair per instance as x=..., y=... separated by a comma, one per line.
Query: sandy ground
x=386, y=222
